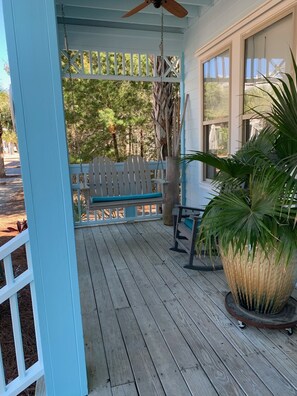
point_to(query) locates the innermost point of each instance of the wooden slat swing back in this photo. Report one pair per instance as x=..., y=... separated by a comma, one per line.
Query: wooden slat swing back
x=104, y=178
x=138, y=175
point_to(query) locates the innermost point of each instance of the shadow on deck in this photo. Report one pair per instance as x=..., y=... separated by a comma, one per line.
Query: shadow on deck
x=153, y=328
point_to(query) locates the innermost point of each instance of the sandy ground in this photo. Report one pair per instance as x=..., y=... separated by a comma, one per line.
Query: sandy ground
x=11, y=197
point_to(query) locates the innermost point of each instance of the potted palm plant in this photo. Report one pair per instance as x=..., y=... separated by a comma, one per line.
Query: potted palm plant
x=251, y=218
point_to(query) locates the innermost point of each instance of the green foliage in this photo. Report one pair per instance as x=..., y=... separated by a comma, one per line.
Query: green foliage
x=216, y=100
x=79, y=208
x=95, y=109
x=5, y=114
x=256, y=98
x=256, y=201
x=10, y=136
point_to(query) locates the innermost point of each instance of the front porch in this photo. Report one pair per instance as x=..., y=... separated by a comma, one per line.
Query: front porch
x=154, y=328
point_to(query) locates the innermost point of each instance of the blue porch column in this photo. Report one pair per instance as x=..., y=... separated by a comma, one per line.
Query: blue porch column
x=37, y=95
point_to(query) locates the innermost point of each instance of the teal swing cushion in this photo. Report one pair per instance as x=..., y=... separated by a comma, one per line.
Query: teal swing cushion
x=126, y=197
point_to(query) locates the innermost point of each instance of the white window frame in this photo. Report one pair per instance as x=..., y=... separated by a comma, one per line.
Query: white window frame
x=234, y=38
x=258, y=29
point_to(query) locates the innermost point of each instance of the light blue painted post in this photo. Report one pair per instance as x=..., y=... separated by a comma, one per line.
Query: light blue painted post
x=130, y=212
x=37, y=94
x=183, y=134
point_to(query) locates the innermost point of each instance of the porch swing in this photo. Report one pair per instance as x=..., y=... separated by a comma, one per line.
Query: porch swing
x=110, y=188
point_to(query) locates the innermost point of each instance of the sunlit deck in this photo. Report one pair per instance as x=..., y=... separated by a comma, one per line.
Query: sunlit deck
x=154, y=328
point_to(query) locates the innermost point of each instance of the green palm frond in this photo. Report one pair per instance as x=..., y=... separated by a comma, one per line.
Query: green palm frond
x=244, y=220
x=209, y=159
x=230, y=168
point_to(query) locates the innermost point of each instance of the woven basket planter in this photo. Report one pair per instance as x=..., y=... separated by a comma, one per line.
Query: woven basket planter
x=260, y=284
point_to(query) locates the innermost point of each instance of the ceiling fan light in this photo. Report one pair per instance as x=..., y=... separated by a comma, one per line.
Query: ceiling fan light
x=157, y=3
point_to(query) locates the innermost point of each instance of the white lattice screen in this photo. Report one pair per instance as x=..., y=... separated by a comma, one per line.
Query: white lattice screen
x=118, y=65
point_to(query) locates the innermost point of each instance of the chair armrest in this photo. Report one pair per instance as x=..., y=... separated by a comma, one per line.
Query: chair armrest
x=181, y=212
x=182, y=207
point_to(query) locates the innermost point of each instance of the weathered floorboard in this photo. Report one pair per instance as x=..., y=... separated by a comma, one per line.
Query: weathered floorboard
x=115, y=287
x=143, y=368
x=97, y=371
x=210, y=362
x=153, y=328
x=118, y=363
x=170, y=375
x=125, y=390
x=251, y=358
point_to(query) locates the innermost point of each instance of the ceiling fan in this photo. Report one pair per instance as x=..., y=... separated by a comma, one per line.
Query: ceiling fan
x=170, y=5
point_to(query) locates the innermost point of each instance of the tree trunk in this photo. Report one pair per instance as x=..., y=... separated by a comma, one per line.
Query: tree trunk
x=141, y=143
x=115, y=146
x=2, y=168
x=163, y=115
x=172, y=190
x=130, y=140
x=163, y=111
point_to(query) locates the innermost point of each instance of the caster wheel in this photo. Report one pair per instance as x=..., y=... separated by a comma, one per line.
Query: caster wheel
x=241, y=324
x=289, y=331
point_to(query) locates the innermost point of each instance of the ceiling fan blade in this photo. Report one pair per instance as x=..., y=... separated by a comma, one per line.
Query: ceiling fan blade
x=174, y=8
x=137, y=9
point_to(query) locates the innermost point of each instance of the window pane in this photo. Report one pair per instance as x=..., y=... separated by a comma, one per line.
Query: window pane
x=216, y=73
x=216, y=100
x=216, y=141
x=267, y=53
x=252, y=127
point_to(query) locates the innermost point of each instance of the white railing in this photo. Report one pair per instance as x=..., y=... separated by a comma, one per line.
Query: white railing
x=10, y=291
x=83, y=217
x=94, y=64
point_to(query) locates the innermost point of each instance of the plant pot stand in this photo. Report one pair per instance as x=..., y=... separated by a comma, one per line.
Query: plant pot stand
x=286, y=319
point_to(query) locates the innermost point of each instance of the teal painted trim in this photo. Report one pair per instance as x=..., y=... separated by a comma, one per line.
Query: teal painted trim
x=36, y=85
x=130, y=213
x=126, y=197
x=183, y=132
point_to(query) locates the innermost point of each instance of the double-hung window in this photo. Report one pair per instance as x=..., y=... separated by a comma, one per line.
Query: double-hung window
x=216, y=106
x=267, y=54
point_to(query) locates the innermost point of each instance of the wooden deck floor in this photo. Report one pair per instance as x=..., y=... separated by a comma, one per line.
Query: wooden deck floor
x=153, y=328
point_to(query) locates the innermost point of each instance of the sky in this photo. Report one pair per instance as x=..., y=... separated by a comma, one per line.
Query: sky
x=4, y=78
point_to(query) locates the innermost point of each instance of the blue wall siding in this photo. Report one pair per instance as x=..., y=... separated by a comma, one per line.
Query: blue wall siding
x=36, y=85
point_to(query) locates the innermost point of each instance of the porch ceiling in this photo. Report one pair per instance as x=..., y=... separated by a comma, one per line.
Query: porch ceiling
x=108, y=13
